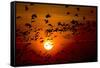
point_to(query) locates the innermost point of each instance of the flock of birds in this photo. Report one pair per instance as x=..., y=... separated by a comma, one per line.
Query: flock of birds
x=62, y=27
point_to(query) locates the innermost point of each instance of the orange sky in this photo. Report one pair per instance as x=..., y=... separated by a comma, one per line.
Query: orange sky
x=58, y=13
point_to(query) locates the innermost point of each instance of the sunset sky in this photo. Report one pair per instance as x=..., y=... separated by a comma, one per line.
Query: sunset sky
x=70, y=30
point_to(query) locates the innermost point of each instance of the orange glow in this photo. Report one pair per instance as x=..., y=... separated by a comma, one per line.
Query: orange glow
x=48, y=45
x=57, y=34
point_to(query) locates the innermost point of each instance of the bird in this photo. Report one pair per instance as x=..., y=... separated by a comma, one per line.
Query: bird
x=46, y=21
x=28, y=25
x=59, y=23
x=55, y=36
x=47, y=16
x=91, y=11
x=78, y=9
x=41, y=38
x=84, y=18
x=49, y=25
x=56, y=29
x=32, y=21
x=35, y=38
x=26, y=8
x=34, y=16
x=68, y=13
x=32, y=39
x=49, y=30
x=18, y=17
x=25, y=33
x=64, y=28
x=74, y=22
x=76, y=15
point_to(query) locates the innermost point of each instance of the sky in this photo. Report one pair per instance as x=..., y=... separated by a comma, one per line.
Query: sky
x=71, y=30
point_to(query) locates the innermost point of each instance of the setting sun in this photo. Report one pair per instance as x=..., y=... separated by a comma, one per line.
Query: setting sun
x=48, y=45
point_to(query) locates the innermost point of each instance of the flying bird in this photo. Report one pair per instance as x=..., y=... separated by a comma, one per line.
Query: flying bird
x=49, y=25
x=74, y=22
x=25, y=33
x=91, y=11
x=26, y=8
x=46, y=21
x=32, y=21
x=76, y=15
x=68, y=13
x=59, y=23
x=84, y=18
x=78, y=9
x=28, y=25
x=34, y=16
x=18, y=17
x=48, y=16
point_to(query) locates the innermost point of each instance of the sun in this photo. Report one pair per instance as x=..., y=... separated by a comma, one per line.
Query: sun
x=48, y=45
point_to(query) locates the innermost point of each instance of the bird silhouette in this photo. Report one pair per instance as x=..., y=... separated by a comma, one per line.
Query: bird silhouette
x=84, y=18
x=28, y=25
x=32, y=39
x=68, y=13
x=59, y=23
x=32, y=21
x=18, y=17
x=55, y=36
x=74, y=22
x=78, y=9
x=34, y=16
x=56, y=29
x=25, y=33
x=41, y=38
x=47, y=16
x=91, y=11
x=49, y=30
x=46, y=21
x=76, y=15
x=50, y=25
x=26, y=8
x=64, y=28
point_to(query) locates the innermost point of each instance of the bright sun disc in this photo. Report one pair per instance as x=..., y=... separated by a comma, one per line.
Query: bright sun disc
x=48, y=45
